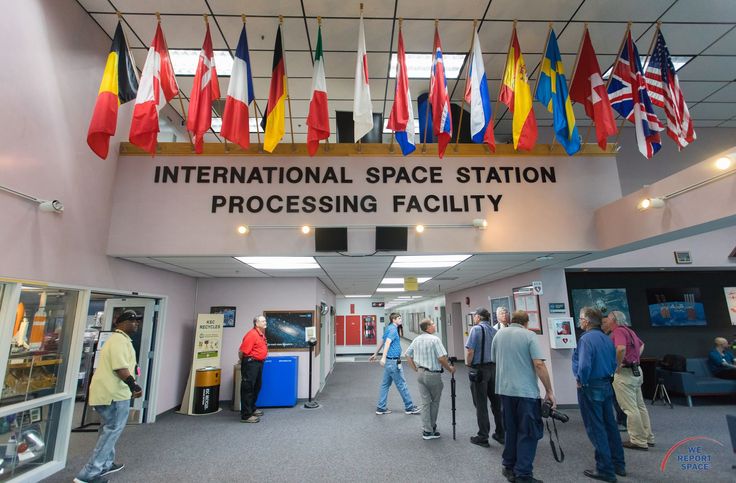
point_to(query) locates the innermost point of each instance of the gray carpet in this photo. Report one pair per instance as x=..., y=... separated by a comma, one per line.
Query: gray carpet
x=345, y=441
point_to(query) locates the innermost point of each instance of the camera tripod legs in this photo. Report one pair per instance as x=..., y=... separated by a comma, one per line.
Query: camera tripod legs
x=660, y=394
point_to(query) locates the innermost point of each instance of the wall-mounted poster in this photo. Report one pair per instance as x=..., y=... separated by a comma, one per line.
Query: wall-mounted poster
x=497, y=303
x=286, y=329
x=228, y=315
x=525, y=299
x=605, y=299
x=731, y=302
x=675, y=307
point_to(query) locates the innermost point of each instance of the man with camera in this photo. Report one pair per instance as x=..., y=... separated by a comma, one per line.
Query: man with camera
x=593, y=365
x=519, y=362
x=482, y=375
x=628, y=380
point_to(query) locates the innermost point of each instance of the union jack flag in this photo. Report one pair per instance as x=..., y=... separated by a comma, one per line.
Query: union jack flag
x=665, y=92
x=629, y=97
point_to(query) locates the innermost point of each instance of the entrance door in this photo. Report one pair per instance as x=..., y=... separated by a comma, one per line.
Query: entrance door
x=142, y=341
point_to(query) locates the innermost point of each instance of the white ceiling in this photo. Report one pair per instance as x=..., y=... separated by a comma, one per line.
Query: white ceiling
x=703, y=29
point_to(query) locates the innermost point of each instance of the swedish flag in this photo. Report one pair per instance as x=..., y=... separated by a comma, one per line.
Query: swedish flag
x=552, y=92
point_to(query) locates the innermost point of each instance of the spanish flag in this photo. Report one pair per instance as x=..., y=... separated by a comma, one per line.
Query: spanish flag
x=517, y=95
x=274, y=121
x=119, y=85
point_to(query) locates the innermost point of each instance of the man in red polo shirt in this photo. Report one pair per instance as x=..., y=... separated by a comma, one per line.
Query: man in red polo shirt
x=252, y=353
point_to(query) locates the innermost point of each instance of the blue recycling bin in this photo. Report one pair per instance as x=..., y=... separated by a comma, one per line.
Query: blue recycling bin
x=280, y=382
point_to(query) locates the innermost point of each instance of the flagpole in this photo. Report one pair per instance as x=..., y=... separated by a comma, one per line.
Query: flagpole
x=288, y=96
x=575, y=71
x=227, y=148
x=610, y=77
x=498, y=99
x=258, y=115
x=255, y=115
x=178, y=94
x=393, y=133
x=319, y=26
x=426, y=115
x=467, y=76
x=360, y=141
x=539, y=74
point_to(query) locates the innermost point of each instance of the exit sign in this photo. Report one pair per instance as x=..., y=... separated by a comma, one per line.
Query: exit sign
x=378, y=304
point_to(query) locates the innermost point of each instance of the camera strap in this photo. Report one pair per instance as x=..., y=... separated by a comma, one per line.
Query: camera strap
x=559, y=457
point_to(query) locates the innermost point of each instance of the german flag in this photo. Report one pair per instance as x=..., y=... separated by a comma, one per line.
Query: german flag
x=119, y=85
x=274, y=121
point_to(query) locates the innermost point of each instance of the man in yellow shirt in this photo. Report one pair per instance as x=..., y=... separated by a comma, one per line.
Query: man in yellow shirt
x=112, y=387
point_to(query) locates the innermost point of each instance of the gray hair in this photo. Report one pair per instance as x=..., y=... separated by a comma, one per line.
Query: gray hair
x=592, y=315
x=619, y=317
x=501, y=310
x=257, y=318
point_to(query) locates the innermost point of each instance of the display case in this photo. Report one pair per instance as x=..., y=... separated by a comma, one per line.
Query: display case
x=28, y=439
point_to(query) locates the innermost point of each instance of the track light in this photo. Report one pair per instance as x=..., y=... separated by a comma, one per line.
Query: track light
x=480, y=223
x=647, y=203
x=306, y=229
x=723, y=163
x=419, y=228
x=243, y=229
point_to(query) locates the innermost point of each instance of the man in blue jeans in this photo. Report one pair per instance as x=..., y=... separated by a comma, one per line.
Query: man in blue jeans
x=593, y=365
x=519, y=362
x=112, y=387
x=392, y=371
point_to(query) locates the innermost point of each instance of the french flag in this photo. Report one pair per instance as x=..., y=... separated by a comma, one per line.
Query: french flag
x=235, y=121
x=401, y=120
x=477, y=97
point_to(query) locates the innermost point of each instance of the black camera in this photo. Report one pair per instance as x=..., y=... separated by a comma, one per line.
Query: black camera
x=549, y=412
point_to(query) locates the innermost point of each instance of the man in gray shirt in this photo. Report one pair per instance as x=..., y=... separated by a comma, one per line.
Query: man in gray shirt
x=519, y=362
x=428, y=356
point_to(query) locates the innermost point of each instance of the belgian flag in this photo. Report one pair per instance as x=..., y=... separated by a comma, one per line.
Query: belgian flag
x=274, y=120
x=119, y=85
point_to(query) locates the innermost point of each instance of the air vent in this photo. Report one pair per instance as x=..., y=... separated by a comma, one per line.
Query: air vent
x=445, y=278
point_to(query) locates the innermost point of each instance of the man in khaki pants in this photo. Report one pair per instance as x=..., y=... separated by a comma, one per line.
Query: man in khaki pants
x=628, y=380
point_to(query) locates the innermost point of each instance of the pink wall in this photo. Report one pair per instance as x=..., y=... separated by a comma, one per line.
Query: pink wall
x=50, y=85
x=252, y=296
x=555, y=290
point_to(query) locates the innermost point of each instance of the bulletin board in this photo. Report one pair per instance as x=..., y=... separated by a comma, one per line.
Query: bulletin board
x=525, y=299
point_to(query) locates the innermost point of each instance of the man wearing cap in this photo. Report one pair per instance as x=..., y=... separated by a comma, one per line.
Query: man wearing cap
x=112, y=387
x=252, y=353
x=483, y=384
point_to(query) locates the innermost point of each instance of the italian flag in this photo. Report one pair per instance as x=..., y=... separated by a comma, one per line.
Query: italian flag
x=318, y=119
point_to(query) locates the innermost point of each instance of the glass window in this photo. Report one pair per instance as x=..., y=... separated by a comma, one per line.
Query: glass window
x=27, y=439
x=42, y=334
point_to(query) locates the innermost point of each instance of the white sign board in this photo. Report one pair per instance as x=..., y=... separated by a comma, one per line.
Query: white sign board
x=537, y=287
x=561, y=332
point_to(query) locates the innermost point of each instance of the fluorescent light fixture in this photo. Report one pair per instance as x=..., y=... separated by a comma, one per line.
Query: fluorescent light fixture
x=279, y=263
x=419, y=66
x=358, y=296
x=386, y=130
x=404, y=297
x=185, y=61
x=390, y=289
x=544, y=257
x=254, y=123
x=428, y=261
x=400, y=281
x=677, y=61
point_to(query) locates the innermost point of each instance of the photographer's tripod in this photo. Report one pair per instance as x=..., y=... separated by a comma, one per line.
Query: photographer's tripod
x=660, y=393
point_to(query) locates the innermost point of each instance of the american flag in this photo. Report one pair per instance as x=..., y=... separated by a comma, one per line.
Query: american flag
x=665, y=92
x=629, y=97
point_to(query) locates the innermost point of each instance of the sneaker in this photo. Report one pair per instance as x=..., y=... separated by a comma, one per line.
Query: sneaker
x=630, y=445
x=413, y=410
x=383, y=411
x=93, y=480
x=592, y=474
x=258, y=413
x=252, y=419
x=436, y=434
x=499, y=438
x=480, y=442
x=430, y=435
x=508, y=473
x=114, y=468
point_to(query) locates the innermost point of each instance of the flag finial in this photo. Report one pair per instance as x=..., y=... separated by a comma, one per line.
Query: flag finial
x=361, y=8
x=206, y=22
x=242, y=15
x=281, y=19
x=158, y=17
x=401, y=21
x=319, y=21
x=119, y=14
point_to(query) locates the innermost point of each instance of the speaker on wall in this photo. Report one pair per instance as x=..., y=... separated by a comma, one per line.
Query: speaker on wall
x=391, y=238
x=345, y=134
x=330, y=239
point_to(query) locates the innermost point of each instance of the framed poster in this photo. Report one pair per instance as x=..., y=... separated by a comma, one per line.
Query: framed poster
x=497, y=303
x=605, y=299
x=525, y=299
x=731, y=302
x=675, y=307
x=228, y=315
x=286, y=329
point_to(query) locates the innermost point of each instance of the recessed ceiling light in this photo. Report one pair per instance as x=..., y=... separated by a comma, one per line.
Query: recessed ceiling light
x=428, y=261
x=544, y=257
x=185, y=61
x=253, y=123
x=405, y=297
x=677, y=61
x=400, y=281
x=358, y=296
x=419, y=66
x=280, y=263
x=390, y=289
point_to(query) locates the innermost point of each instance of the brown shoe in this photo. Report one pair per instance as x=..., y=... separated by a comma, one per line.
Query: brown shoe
x=630, y=445
x=252, y=419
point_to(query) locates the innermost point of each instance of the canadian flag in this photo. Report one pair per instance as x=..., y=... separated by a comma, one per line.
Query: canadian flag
x=204, y=91
x=318, y=119
x=157, y=87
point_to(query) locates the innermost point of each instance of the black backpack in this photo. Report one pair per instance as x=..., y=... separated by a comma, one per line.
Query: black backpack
x=674, y=363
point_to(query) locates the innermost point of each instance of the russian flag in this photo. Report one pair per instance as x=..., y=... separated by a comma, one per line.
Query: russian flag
x=401, y=118
x=235, y=121
x=477, y=97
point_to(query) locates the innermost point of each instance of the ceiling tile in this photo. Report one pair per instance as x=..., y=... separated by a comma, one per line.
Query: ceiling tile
x=623, y=10
x=711, y=111
x=697, y=91
x=725, y=46
x=709, y=69
x=711, y=11
x=513, y=9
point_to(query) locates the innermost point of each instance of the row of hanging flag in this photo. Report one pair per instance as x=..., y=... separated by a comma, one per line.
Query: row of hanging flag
x=631, y=91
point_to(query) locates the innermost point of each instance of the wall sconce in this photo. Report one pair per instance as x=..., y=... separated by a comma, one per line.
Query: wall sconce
x=647, y=203
x=480, y=223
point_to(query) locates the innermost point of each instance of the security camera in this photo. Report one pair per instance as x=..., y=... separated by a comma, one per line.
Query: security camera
x=52, y=206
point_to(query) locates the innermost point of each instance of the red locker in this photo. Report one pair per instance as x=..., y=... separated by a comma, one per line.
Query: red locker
x=352, y=330
x=340, y=330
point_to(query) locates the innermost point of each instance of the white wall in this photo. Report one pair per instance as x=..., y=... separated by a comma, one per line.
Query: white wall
x=57, y=58
x=555, y=290
x=253, y=296
x=430, y=307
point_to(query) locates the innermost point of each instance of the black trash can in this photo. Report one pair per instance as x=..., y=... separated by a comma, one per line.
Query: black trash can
x=207, y=390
